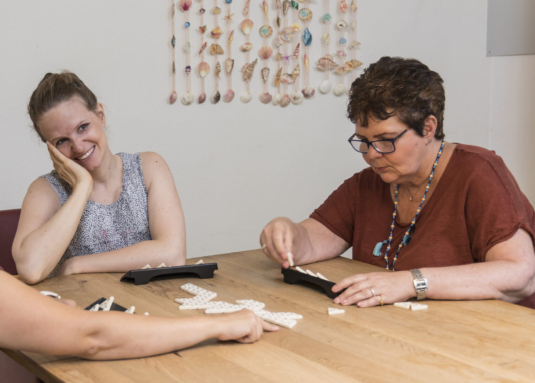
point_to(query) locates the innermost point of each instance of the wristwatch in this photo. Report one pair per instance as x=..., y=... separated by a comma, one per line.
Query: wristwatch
x=420, y=284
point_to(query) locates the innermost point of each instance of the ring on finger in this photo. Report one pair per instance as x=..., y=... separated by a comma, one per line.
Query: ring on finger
x=373, y=292
x=264, y=246
x=382, y=300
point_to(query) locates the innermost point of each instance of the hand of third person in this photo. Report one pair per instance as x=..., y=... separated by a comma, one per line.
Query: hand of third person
x=244, y=326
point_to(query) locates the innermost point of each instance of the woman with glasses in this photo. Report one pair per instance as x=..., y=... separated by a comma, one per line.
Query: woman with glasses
x=449, y=219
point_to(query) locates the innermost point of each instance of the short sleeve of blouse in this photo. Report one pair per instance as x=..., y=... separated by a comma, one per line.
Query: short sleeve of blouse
x=337, y=213
x=495, y=207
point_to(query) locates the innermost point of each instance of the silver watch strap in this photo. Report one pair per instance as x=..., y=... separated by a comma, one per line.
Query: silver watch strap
x=420, y=284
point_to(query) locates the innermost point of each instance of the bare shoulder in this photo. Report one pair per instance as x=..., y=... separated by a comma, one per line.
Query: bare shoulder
x=154, y=168
x=41, y=191
x=152, y=160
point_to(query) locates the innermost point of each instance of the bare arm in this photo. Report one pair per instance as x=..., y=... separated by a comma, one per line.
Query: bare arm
x=41, y=324
x=308, y=241
x=45, y=227
x=166, y=225
x=507, y=274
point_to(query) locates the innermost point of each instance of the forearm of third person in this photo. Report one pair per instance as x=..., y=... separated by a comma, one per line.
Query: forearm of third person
x=41, y=250
x=139, y=336
x=152, y=252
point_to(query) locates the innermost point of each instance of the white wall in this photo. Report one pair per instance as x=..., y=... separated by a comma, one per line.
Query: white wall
x=512, y=133
x=238, y=165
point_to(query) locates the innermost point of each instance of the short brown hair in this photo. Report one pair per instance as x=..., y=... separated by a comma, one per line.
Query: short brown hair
x=54, y=89
x=397, y=86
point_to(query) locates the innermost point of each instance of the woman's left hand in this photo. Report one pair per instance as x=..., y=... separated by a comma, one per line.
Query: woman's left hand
x=390, y=287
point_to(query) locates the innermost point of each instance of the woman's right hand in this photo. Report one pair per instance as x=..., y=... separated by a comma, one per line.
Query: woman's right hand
x=277, y=240
x=244, y=326
x=69, y=170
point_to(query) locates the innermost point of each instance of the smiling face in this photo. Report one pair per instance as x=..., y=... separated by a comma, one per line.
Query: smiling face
x=76, y=132
x=403, y=165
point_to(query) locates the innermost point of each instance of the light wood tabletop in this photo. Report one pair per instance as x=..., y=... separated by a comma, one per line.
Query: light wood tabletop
x=467, y=341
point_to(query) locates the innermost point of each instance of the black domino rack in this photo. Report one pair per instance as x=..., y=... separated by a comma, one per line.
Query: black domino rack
x=114, y=306
x=292, y=276
x=144, y=276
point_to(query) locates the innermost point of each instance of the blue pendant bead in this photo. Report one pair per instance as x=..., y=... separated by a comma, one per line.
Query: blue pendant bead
x=343, y=40
x=186, y=24
x=228, y=1
x=377, y=249
x=406, y=238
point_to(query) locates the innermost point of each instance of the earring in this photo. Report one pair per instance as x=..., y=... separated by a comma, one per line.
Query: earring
x=429, y=140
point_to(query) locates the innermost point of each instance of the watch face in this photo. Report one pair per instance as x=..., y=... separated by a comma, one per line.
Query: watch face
x=420, y=284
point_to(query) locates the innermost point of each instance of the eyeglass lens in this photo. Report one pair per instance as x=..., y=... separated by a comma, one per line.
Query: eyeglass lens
x=380, y=146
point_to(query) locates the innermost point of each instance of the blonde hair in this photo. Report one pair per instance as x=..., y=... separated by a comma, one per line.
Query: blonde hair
x=54, y=89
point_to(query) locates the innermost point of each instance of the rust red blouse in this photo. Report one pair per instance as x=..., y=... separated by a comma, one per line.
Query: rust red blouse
x=476, y=204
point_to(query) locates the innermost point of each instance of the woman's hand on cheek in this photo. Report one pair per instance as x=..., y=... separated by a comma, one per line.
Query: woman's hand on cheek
x=366, y=290
x=68, y=170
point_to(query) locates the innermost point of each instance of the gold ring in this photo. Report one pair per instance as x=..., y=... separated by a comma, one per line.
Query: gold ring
x=382, y=300
x=264, y=246
x=373, y=292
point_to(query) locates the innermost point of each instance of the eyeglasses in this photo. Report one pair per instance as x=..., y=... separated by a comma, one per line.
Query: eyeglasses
x=381, y=146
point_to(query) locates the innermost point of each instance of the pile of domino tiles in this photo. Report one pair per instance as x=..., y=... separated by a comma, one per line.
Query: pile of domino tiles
x=203, y=301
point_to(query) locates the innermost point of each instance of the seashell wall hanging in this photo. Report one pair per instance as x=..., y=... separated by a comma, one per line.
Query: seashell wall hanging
x=284, y=36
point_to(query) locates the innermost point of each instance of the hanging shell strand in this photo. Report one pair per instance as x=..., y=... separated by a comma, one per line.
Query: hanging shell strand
x=184, y=6
x=174, y=96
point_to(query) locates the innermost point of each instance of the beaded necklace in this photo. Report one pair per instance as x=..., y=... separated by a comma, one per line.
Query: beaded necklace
x=406, y=238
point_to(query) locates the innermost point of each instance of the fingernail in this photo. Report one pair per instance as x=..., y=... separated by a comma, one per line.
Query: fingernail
x=336, y=300
x=344, y=302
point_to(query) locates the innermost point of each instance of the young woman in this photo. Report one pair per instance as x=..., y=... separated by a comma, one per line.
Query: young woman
x=97, y=212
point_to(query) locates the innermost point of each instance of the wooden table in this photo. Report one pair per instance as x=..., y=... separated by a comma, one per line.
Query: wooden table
x=450, y=342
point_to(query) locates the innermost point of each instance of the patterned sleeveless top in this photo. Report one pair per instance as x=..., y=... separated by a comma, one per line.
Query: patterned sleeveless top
x=109, y=227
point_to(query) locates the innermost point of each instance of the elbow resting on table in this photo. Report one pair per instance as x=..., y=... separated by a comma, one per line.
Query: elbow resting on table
x=521, y=287
x=30, y=278
x=174, y=253
x=29, y=274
